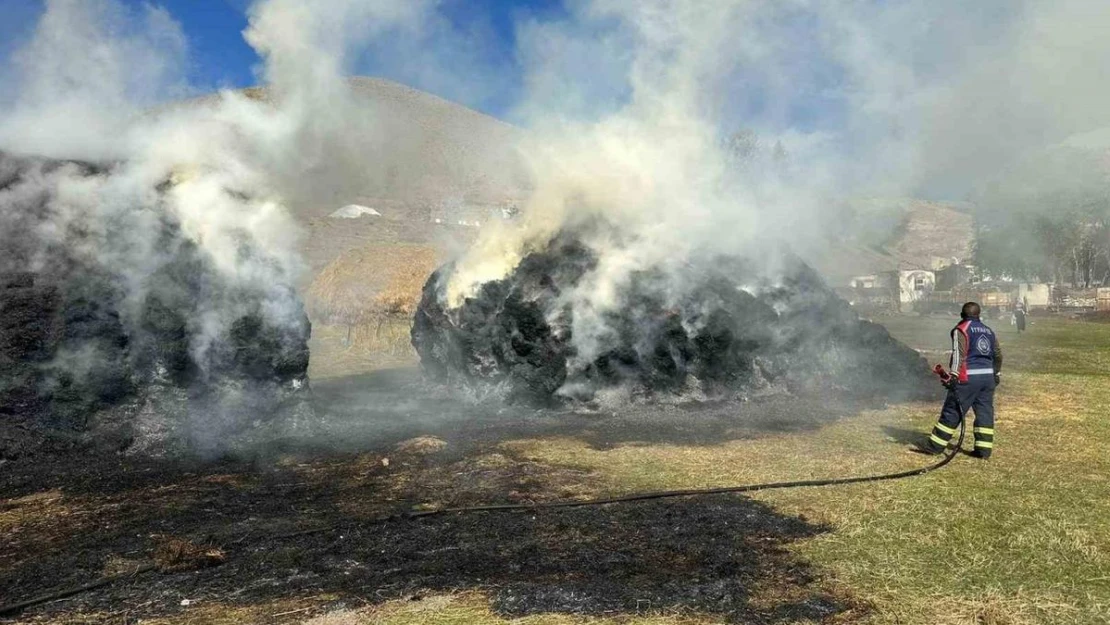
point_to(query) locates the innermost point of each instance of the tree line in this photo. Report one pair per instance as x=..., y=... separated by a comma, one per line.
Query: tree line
x=1047, y=220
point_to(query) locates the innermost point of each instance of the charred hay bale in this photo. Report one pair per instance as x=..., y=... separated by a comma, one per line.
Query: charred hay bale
x=253, y=347
x=92, y=344
x=717, y=326
x=62, y=348
x=503, y=336
x=28, y=336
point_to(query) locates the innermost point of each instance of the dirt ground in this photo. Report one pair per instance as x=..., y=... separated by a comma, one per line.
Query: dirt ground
x=310, y=518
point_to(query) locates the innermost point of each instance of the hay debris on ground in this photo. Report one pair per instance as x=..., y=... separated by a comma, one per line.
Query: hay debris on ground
x=421, y=445
x=173, y=554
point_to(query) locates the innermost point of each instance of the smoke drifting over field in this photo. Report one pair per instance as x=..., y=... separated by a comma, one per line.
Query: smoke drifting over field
x=857, y=98
x=150, y=256
x=904, y=98
x=628, y=107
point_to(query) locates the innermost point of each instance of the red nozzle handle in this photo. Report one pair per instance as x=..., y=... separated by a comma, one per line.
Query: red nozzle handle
x=939, y=370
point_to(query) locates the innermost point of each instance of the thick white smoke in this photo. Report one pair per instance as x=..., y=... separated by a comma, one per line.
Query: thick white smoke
x=88, y=82
x=99, y=81
x=628, y=105
x=87, y=70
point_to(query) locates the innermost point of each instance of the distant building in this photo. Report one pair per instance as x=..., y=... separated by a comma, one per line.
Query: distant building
x=952, y=276
x=989, y=295
x=870, y=299
x=354, y=211
x=866, y=282
x=897, y=290
x=913, y=285
x=1102, y=299
x=1034, y=296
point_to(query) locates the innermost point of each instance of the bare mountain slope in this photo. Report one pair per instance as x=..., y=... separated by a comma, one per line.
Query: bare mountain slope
x=881, y=235
x=933, y=233
x=424, y=163
x=412, y=152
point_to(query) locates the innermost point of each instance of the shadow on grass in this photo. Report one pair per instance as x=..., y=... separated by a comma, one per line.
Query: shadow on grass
x=724, y=556
x=915, y=438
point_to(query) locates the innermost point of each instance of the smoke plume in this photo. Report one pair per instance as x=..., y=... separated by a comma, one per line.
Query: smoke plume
x=631, y=105
x=689, y=129
x=167, y=222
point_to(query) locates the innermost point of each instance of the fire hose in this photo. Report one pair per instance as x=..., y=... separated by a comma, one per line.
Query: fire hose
x=949, y=454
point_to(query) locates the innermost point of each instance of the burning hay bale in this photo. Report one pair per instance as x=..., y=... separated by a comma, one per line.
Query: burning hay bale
x=712, y=327
x=141, y=347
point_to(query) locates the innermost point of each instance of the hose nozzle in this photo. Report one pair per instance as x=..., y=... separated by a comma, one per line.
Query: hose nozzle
x=944, y=376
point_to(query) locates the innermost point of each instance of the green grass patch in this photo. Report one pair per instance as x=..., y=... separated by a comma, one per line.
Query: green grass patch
x=1023, y=538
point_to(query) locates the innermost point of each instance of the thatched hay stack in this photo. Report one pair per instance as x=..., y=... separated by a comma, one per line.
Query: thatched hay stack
x=366, y=284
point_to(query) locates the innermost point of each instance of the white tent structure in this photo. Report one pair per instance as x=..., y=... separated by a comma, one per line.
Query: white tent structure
x=354, y=211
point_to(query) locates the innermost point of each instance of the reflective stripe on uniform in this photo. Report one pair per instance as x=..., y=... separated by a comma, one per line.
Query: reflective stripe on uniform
x=984, y=444
x=981, y=430
x=980, y=371
x=944, y=428
x=954, y=361
x=938, y=440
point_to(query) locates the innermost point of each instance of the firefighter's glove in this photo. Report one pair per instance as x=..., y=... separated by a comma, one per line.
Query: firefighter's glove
x=997, y=379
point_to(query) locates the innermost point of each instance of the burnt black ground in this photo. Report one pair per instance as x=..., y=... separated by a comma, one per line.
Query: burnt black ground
x=721, y=555
x=371, y=409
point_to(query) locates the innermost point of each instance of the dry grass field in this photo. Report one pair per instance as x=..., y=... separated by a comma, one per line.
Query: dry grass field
x=1023, y=538
x=361, y=305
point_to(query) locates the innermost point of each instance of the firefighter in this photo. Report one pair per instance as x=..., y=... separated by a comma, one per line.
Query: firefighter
x=974, y=369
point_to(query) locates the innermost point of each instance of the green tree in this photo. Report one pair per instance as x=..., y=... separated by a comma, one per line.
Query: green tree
x=1047, y=219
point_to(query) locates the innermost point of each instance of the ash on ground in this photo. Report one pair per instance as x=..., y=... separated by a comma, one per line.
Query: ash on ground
x=715, y=327
x=156, y=352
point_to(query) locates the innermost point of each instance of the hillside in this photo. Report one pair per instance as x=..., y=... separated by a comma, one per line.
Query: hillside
x=880, y=235
x=417, y=153
x=432, y=170
x=933, y=234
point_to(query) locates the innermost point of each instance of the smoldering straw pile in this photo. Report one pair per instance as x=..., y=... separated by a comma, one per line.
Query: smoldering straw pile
x=147, y=356
x=714, y=327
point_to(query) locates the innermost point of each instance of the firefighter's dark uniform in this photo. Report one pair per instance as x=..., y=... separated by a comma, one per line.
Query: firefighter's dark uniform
x=975, y=366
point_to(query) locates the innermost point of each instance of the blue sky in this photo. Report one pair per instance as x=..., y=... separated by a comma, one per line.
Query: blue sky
x=482, y=36
x=220, y=58
x=946, y=87
x=472, y=57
